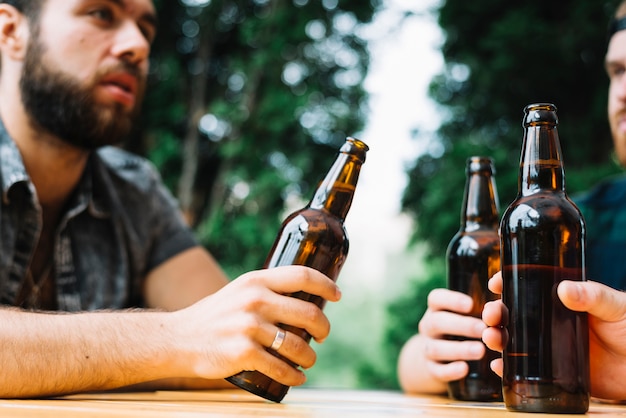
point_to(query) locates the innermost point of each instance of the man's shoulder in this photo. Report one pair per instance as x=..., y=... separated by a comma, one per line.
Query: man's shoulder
x=128, y=167
x=610, y=192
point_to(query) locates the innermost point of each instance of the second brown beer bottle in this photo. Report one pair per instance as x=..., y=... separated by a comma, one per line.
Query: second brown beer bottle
x=473, y=256
x=314, y=236
x=546, y=359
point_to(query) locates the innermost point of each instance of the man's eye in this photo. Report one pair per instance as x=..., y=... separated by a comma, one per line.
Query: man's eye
x=102, y=14
x=148, y=32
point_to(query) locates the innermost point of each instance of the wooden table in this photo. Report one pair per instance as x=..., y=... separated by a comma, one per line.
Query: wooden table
x=299, y=402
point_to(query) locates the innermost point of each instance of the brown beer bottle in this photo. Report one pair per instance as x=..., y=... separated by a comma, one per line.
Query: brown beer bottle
x=314, y=236
x=473, y=256
x=546, y=359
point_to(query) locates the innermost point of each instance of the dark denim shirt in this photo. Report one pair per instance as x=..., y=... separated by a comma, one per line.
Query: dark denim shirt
x=604, y=210
x=121, y=222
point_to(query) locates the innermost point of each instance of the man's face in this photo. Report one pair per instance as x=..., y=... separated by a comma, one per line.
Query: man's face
x=85, y=68
x=616, y=70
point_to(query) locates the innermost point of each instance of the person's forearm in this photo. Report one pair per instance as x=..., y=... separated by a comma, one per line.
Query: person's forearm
x=52, y=354
x=413, y=373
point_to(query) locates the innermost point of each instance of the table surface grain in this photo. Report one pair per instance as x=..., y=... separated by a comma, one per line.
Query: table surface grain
x=299, y=402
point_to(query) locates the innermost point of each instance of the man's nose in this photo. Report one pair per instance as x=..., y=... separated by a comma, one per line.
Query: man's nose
x=131, y=45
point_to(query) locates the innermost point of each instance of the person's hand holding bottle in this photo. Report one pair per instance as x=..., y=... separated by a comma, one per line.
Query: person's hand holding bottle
x=429, y=360
x=607, y=331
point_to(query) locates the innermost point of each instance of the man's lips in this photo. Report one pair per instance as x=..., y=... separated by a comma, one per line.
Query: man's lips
x=121, y=86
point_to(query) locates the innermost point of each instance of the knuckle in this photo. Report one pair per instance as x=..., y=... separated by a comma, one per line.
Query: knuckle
x=298, y=345
x=279, y=371
x=304, y=275
x=313, y=314
x=254, y=300
x=309, y=361
x=244, y=351
x=429, y=352
x=434, y=296
x=425, y=326
x=250, y=325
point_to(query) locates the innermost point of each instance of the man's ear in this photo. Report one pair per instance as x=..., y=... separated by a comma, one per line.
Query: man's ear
x=14, y=32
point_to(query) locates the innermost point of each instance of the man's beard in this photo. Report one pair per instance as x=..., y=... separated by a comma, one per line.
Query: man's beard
x=64, y=108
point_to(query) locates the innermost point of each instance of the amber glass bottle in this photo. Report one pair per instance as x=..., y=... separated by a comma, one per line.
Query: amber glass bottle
x=473, y=256
x=314, y=236
x=546, y=360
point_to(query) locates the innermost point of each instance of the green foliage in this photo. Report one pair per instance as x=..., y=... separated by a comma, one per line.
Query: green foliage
x=276, y=86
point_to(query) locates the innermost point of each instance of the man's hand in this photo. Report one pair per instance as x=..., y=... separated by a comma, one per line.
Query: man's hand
x=428, y=361
x=607, y=331
x=229, y=331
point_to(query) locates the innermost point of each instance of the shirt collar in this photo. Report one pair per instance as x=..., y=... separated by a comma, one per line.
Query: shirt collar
x=12, y=167
x=12, y=171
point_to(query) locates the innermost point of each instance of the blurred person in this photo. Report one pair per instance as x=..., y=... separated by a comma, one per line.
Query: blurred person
x=90, y=231
x=604, y=207
x=427, y=361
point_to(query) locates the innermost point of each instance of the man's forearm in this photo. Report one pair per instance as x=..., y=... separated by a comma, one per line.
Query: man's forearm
x=51, y=354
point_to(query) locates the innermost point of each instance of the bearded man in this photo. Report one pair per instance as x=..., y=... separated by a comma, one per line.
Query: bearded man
x=90, y=230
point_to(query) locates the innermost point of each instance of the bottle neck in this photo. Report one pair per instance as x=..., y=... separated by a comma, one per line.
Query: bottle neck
x=335, y=192
x=541, y=165
x=480, y=201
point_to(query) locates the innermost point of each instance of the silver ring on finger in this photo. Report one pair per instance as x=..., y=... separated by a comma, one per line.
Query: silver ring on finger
x=278, y=340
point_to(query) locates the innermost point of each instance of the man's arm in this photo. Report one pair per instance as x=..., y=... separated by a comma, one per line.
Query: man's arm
x=183, y=280
x=46, y=354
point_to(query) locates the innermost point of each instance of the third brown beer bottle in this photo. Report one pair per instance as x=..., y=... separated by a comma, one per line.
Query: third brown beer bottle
x=314, y=236
x=473, y=256
x=546, y=359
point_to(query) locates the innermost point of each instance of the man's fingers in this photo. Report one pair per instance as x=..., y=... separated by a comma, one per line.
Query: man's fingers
x=599, y=300
x=441, y=299
x=445, y=351
x=292, y=279
x=439, y=323
x=495, y=314
x=497, y=366
x=495, y=338
x=448, y=372
x=495, y=283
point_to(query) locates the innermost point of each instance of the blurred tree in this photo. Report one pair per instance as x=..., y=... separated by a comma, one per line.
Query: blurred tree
x=499, y=57
x=247, y=105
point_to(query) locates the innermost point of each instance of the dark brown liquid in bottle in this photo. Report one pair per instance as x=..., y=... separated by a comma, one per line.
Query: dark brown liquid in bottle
x=546, y=360
x=473, y=256
x=314, y=236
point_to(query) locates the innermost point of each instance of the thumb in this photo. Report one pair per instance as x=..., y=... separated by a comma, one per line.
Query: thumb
x=599, y=300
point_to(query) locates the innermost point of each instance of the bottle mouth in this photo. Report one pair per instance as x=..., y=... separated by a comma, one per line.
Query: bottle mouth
x=478, y=163
x=358, y=143
x=540, y=114
x=355, y=147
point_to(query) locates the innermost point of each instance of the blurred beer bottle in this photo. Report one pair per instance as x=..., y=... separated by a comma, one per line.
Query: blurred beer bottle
x=314, y=236
x=546, y=360
x=473, y=256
